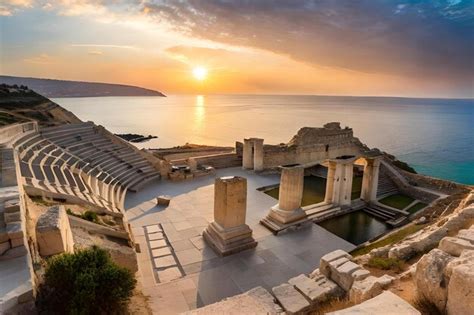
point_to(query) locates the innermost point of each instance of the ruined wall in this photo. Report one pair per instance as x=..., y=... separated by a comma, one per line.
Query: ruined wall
x=273, y=157
x=222, y=160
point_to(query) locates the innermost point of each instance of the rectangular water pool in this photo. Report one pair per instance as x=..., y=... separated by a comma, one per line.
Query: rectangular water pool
x=355, y=227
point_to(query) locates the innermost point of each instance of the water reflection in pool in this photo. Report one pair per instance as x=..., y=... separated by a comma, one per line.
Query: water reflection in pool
x=355, y=227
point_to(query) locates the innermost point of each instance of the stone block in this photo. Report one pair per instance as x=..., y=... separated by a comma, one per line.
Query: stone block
x=15, y=242
x=14, y=253
x=384, y=303
x=342, y=275
x=12, y=205
x=3, y=235
x=467, y=235
x=460, y=290
x=11, y=217
x=329, y=257
x=4, y=247
x=255, y=301
x=292, y=301
x=163, y=200
x=360, y=274
x=53, y=232
x=14, y=230
x=429, y=278
x=314, y=291
x=454, y=246
x=365, y=289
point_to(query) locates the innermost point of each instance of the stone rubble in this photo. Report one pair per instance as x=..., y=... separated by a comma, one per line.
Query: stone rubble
x=445, y=275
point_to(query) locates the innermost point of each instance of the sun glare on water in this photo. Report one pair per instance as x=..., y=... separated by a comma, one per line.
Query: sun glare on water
x=200, y=73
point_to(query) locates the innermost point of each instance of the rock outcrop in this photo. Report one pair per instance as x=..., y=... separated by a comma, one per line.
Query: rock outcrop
x=430, y=280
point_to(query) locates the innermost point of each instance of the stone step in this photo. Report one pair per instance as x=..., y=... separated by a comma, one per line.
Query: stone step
x=291, y=299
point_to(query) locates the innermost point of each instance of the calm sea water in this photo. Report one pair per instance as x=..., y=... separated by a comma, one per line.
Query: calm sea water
x=435, y=136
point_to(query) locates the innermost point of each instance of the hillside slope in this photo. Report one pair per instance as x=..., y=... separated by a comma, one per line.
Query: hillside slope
x=61, y=88
x=20, y=104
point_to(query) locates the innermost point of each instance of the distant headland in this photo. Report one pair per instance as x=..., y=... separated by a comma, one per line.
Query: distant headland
x=63, y=88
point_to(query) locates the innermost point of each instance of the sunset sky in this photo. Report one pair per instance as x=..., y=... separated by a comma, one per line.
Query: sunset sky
x=341, y=47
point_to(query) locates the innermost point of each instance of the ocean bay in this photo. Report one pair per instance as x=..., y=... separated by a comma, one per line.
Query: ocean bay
x=433, y=135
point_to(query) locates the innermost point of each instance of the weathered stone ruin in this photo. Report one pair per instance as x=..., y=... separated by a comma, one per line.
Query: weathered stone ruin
x=53, y=232
x=229, y=234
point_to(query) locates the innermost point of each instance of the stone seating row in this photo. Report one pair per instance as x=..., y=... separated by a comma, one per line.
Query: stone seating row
x=78, y=160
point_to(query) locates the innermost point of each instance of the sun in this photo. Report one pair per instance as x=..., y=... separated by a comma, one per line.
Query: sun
x=200, y=73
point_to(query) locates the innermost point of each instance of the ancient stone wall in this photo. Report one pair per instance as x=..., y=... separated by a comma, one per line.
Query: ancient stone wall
x=273, y=157
x=441, y=185
x=222, y=160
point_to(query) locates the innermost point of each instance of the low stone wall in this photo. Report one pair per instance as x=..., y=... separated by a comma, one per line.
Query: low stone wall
x=429, y=237
x=444, y=186
x=223, y=160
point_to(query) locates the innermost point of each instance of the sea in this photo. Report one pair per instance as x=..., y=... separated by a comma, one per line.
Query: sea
x=435, y=136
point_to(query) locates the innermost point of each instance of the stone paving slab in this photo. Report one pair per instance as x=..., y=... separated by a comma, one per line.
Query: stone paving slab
x=165, y=261
x=163, y=251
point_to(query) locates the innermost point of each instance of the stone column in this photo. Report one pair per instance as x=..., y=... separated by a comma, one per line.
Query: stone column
x=247, y=154
x=370, y=181
x=288, y=208
x=258, y=154
x=330, y=182
x=229, y=234
x=192, y=163
x=346, y=193
x=339, y=182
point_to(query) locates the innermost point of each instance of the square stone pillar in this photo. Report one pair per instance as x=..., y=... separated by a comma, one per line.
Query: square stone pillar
x=370, y=181
x=288, y=208
x=258, y=154
x=247, y=154
x=330, y=182
x=229, y=234
x=339, y=181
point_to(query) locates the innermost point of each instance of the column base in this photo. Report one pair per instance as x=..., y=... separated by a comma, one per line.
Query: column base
x=229, y=241
x=284, y=216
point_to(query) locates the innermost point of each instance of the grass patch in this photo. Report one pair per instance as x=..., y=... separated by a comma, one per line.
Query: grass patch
x=391, y=239
x=386, y=263
x=397, y=201
x=416, y=207
x=88, y=215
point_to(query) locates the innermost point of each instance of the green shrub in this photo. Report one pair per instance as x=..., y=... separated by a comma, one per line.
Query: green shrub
x=385, y=263
x=86, y=282
x=90, y=216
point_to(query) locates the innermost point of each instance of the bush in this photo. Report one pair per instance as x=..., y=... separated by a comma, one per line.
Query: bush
x=90, y=216
x=386, y=263
x=86, y=282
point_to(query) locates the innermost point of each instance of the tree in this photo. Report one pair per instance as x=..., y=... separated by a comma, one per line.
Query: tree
x=86, y=282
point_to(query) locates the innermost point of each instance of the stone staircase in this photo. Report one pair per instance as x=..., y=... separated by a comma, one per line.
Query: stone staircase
x=321, y=211
x=15, y=279
x=393, y=217
x=386, y=186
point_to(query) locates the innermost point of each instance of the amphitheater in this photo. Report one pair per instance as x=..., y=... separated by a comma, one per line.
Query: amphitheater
x=202, y=230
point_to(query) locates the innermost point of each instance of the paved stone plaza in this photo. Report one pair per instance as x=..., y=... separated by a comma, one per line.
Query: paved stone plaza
x=180, y=272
